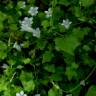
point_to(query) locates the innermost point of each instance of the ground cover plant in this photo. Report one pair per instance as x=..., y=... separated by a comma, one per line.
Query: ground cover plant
x=47, y=48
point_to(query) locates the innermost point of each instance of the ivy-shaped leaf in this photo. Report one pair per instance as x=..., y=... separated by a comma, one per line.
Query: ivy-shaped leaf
x=70, y=42
x=27, y=81
x=67, y=44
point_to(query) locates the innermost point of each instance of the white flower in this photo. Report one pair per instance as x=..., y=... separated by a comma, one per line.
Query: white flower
x=37, y=94
x=69, y=95
x=36, y=32
x=26, y=24
x=48, y=13
x=26, y=28
x=23, y=5
x=82, y=83
x=16, y=46
x=4, y=66
x=33, y=11
x=66, y=23
x=27, y=21
x=21, y=94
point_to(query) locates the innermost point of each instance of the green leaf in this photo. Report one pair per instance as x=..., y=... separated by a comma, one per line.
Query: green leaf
x=3, y=54
x=25, y=44
x=2, y=16
x=91, y=91
x=13, y=27
x=3, y=85
x=79, y=33
x=29, y=85
x=50, y=68
x=3, y=46
x=47, y=56
x=19, y=4
x=11, y=61
x=7, y=93
x=26, y=76
x=87, y=3
x=56, y=77
x=1, y=25
x=69, y=43
x=12, y=90
x=45, y=24
x=27, y=81
x=26, y=60
x=57, y=14
x=53, y=92
x=70, y=72
x=41, y=44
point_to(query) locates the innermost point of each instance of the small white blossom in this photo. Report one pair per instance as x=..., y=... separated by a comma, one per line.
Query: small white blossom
x=17, y=46
x=21, y=94
x=66, y=23
x=33, y=11
x=48, y=13
x=26, y=28
x=22, y=45
x=23, y=5
x=37, y=94
x=36, y=32
x=26, y=24
x=27, y=21
x=82, y=83
x=4, y=66
x=69, y=95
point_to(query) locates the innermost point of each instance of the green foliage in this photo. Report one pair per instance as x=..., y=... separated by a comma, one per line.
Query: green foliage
x=47, y=47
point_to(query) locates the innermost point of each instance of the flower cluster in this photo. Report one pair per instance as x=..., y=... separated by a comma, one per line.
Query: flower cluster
x=26, y=24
